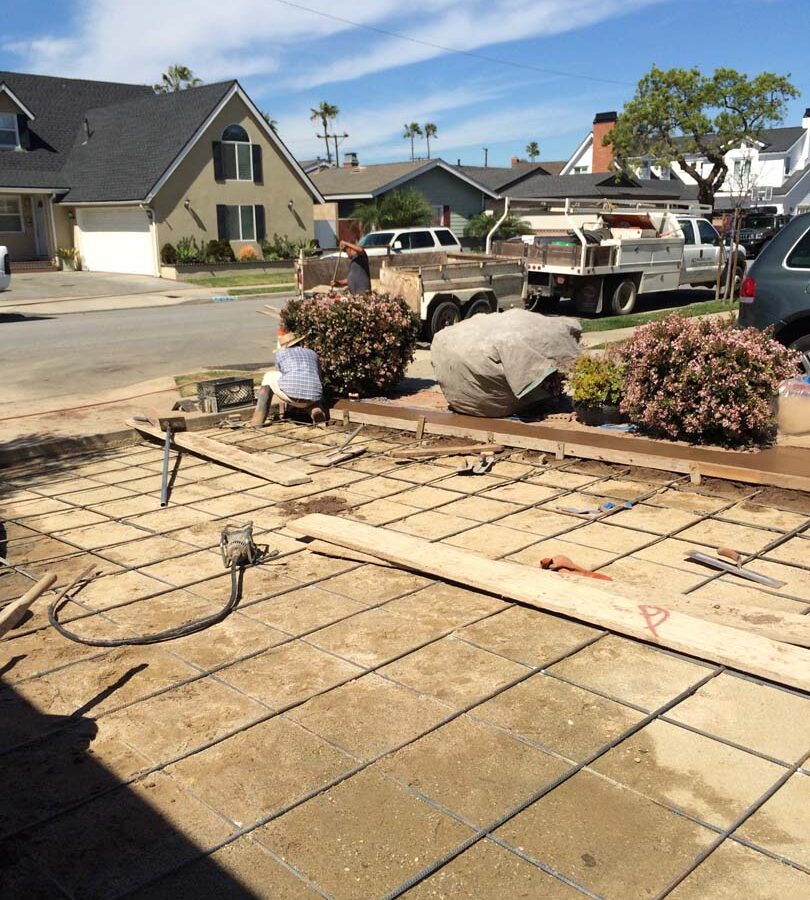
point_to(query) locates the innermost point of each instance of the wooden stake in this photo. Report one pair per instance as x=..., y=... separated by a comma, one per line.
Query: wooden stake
x=13, y=613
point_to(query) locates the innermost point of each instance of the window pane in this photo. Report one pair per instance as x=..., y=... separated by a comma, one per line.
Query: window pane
x=405, y=240
x=446, y=238
x=7, y=121
x=688, y=231
x=707, y=233
x=233, y=223
x=8, y=137
x=799, y=256
x=229, y=161
x=9, y=205
x=420, y=239
x=234, y=133
x=248, y=230
x=243, y=160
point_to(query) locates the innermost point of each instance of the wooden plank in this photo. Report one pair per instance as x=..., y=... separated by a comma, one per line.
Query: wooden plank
x=324, y=548
x=14, y=612
x=230, y=456
x=655, y=623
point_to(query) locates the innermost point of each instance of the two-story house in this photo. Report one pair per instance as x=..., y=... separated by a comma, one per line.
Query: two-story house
x=773, y=170
x=117, y=171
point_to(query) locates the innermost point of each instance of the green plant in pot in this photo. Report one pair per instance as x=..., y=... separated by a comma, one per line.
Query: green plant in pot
x=69, y=257
x=596, y=384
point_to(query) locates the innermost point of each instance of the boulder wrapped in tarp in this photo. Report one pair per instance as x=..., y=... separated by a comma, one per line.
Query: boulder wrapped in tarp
x=505, y=363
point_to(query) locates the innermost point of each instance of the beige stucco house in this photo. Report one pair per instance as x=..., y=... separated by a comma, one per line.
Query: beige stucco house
x=117, y=171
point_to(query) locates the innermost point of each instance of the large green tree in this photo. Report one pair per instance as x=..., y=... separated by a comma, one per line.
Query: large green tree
x=176, y=78
x=532, y=150
x=325, y=113
x=400, y=208
x=431, y=131
x=677, y=115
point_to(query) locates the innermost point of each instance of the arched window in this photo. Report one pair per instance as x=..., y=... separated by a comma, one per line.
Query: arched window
x=237, y=157
x=235, y=133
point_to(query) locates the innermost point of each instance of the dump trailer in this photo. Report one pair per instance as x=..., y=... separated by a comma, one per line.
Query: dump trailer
x=603, y=256
x=441, y=287
x=461, y=285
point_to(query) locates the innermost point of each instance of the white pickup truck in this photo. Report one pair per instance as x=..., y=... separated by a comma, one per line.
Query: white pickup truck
x=603, y=257
x=5, y=269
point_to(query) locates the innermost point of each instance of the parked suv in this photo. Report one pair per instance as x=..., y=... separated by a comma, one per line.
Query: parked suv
x=776, y=290
x=757, y=228
x=410, y=240
x=5, y=269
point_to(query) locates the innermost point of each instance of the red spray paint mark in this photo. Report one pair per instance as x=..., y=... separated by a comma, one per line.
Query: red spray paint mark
x=654, y=616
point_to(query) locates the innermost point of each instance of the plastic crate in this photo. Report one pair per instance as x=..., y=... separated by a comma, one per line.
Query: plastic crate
x=225, y=393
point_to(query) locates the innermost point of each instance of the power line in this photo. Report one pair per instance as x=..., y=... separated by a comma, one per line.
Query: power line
x=445, y=49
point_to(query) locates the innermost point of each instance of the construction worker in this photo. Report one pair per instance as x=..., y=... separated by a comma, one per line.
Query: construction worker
x=296, y=381
x=359, y=277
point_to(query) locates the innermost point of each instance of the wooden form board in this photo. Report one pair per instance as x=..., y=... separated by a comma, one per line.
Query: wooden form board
x=459, y=426
x=655, y=623
x=229, y=455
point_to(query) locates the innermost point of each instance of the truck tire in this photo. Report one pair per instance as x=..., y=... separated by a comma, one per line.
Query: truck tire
x=802, y=344
x=623, y=297
x=445, y=314
x=477, y=306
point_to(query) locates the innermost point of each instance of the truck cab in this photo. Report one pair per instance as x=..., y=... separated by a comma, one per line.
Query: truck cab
x=5, y=269
x=702, y=248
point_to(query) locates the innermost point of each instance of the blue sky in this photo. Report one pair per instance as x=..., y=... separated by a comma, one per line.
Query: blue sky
x=290, y=58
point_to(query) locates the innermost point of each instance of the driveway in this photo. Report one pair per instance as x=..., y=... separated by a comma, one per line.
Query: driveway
x=39, y=287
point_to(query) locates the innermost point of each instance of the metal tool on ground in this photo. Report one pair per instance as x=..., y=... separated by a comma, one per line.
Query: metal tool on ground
x=567, y=566
x=476, y=467
x=238, y=551
x=737, y=570
x=342, y=453
x=12, y=614
x=164, y=481
x=407, y=453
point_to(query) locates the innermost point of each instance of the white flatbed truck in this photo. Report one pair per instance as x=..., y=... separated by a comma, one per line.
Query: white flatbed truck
x=603, y=256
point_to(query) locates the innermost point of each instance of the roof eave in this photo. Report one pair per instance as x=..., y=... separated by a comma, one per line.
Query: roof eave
x=5, y=89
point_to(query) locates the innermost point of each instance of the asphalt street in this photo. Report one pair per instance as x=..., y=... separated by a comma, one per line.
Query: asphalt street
x=44, y=356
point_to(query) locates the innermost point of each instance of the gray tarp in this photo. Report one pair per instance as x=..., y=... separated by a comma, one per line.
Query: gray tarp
x=495, y=365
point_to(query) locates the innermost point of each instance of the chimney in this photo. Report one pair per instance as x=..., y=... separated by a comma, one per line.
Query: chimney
x=603, y=122
x=806, y=119
x=350, y=160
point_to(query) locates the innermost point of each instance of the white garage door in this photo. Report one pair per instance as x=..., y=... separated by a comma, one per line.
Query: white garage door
x=116, y=240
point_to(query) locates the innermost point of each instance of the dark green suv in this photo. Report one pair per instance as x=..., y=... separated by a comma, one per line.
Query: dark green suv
x=776, y=290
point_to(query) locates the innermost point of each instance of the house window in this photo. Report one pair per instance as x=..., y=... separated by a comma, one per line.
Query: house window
x=9, y=133
x=237, y=158
x=241, y=223
x=580, y=170
x=742, y=169
x=10, y=215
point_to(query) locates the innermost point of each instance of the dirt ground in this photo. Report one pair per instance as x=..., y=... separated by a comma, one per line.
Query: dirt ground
x=355, y=731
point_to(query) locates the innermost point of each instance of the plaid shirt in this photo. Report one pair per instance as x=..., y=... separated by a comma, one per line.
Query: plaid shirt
x=300, y=373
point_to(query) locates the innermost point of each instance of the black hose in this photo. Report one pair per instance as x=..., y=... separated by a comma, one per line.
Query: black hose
x=160, y=636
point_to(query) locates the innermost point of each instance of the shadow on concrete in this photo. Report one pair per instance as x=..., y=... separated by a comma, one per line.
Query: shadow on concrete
x=69, y=827
x=11, y=318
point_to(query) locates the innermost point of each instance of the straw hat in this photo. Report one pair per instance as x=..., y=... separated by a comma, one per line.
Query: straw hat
x=289, y=339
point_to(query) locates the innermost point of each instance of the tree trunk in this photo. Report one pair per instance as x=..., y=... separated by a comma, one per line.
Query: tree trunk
x=428, y=146
x=705, y=192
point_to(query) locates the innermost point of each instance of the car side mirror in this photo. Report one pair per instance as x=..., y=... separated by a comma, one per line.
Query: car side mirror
x=397, y=245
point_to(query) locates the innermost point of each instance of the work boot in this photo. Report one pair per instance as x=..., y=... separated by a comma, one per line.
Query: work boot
x=318, y=416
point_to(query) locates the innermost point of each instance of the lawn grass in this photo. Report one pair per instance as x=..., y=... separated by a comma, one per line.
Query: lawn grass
x=610, y=323
x=277, y=276
x=287, y=288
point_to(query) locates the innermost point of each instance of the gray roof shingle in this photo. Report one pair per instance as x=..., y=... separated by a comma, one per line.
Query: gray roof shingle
x=498, y=177
x=374, y=179
x=598, y=186
x=132, y=144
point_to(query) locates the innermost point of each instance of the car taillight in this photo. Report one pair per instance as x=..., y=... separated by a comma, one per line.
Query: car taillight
x=748, y=290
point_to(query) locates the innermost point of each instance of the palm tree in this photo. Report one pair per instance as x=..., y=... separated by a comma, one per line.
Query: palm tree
x=324, y=113
x=533, y=150
x=176, y=78
x=412, y=131
x=431, y=131
x=271, y=122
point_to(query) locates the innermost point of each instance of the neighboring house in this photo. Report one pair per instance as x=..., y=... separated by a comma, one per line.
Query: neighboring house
x=454, y=196
x=773, y=170
x=117, y=171
x=500, y=178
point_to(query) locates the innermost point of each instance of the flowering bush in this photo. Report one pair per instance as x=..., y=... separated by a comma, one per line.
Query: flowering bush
x=248, y=254
x=704, y=380
x=598, y=380
x=364, y=341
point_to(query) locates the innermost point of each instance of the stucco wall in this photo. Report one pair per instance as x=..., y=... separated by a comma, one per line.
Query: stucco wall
x=21, y=245
x=194, y=180
x=64, y=226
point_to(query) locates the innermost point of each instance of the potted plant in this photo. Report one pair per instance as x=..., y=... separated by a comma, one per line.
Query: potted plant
x=596, y=384
x=69, y=257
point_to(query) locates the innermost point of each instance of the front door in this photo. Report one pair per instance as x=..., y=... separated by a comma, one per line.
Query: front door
x=691, y=267
x=40, y=228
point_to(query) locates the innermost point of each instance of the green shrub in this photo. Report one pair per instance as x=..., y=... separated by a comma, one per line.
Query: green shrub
x=218, y=252
x=283, y=247
x=479, y=226
x=597, y=380
x=189, y=251
x=168, y=255
x=704, y=380
x=364, y=341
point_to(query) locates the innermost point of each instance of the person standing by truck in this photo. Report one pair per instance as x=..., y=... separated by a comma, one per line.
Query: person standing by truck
x=359, y=277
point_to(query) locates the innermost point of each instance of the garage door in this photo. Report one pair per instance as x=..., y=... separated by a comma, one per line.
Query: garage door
x=116, y=240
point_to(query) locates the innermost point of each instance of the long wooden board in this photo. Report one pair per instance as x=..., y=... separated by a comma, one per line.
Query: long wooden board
x=228, y=455
x=652, y=622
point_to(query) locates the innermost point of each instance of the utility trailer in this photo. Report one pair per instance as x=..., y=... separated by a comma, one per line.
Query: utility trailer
x=459, y=286
x=603, y=255
x=442, y=287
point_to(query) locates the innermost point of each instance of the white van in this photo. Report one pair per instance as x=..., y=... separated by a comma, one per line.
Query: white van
x=5, y=269
x=410, y=240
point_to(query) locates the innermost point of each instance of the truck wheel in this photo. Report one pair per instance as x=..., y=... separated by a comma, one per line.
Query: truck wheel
x=623, y=298
x=476, y=307
x=736, y=284
x=802, y=344
x=445, y=314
